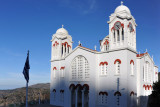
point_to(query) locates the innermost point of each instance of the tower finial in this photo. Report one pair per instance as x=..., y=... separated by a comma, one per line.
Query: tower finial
x=95, y=47
x=62, y=26
x=121, y=2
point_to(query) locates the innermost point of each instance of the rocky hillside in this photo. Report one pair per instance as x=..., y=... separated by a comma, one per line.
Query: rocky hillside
x=17, y=97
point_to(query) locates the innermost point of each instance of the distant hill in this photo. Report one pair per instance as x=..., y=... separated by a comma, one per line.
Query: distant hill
x=16, y=97
x=41, y=85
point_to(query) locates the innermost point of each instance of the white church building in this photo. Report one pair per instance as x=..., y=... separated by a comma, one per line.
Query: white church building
x=115, y=76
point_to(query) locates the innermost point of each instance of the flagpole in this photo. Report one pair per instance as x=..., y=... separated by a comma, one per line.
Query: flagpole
x=26, y=94
x=26, y=76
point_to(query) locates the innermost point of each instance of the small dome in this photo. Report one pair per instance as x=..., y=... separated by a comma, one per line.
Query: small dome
x=62, y=31
x=122, y=8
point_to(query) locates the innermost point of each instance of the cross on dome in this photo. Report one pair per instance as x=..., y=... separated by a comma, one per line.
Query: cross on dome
x=79, y=42
x=62, y=26
x=121, y=2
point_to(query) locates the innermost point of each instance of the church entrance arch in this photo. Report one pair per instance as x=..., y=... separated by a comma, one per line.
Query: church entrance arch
x=79, y=95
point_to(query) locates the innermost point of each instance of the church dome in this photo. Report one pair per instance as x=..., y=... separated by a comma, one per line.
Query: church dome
x=122, y=8
x=62, y=31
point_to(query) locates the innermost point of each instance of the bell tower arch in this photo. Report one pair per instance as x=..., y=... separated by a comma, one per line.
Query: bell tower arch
x=61, y=44
x=122, y=29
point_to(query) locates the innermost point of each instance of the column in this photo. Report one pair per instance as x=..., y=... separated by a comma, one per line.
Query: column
x=68, y=49
x=82, y=98
x=116, y=36
x=76, y=97
x=63, y=50
x=120, y=35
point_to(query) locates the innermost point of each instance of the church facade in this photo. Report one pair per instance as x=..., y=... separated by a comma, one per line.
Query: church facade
x=115, y=76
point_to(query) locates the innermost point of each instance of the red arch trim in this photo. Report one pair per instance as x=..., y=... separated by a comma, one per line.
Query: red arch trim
x=132, y=25
x=151, y=87
x=148, y=87
x=120, y=23
x=85, y=85
x=144, y=85
x=62, y=68
x=132, y=62
x=117, y=60
x=79, y=85
x=105, y=62
x=61, y=91
x=112, y=28
x=117, y=93
x=100, y=93
x=54, y=90
x=68, y=46
x=72, y=85
x=132, y=93
x=106, y=42
x=54, y=68
x=102, y=63
x=103, y=93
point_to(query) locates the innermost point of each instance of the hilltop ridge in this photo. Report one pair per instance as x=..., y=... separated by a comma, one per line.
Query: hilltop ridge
x=17, y=96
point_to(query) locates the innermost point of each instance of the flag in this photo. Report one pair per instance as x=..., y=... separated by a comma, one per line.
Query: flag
x=26, y=68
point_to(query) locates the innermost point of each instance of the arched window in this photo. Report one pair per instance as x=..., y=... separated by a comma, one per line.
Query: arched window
x=106, y=45
x=62, y=95
x=62, y=71
x=117, y=94
x=132, y=66
x=80, y=68
x=132, y=98
x=117, y=63
x=103, y=68
x=103, y=98
x=54, y=72
x=117, y=67
x=54, y=94
x=147, y=71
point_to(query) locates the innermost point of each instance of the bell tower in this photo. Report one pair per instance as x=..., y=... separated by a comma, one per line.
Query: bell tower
x=61, y=44
x=122, y=29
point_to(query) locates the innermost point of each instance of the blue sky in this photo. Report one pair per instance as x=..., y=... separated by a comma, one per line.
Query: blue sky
x=29, y=24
